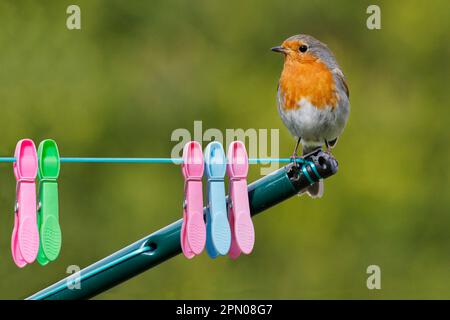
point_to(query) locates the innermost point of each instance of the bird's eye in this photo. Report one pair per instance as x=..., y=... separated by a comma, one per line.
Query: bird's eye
x=303, y=48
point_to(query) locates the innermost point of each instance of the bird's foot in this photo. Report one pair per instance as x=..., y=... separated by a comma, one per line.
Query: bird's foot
x=295, y=159
x=328, y=148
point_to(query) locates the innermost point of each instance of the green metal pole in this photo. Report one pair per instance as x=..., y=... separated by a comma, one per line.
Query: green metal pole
x=165, y=243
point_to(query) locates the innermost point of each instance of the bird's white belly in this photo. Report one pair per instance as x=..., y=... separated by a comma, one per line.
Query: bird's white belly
x=315, y=125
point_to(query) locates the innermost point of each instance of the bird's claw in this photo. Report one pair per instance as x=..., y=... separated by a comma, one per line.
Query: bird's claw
x=328, y=151
x=294, y=158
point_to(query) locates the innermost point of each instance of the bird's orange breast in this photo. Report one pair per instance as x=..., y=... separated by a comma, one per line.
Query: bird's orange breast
x=311, y=80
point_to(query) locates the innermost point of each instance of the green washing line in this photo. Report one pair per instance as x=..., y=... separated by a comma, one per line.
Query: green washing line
x=165, y=243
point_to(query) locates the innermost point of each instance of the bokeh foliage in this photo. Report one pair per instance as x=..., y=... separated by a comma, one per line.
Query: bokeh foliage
x=140, y=69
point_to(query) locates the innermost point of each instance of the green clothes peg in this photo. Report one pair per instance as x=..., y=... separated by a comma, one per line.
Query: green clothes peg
x=48, y=210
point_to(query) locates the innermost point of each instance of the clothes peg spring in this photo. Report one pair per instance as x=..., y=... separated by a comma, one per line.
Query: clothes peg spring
x=218, y=233
x=48, y=209
x=193, y=230
x=25, y=236
x=242, y=230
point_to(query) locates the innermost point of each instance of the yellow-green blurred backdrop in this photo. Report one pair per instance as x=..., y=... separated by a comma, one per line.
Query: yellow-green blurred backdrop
x=137, y=70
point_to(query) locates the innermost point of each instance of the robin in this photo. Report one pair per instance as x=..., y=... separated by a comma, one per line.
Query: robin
x=313, y=96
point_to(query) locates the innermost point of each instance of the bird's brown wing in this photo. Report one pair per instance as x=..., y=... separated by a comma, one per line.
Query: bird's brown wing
x=341, y=78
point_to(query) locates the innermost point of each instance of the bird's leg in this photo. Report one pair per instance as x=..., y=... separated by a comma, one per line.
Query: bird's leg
x=294, y=156
x=328, y=146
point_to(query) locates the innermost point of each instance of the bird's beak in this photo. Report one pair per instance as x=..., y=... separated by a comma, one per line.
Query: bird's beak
x=280, y=49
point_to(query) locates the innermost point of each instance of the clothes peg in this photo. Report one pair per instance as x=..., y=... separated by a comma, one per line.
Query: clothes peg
x=193, y=230
x=25, y=236
x=48, y=208
x=218, y=233
x=242, y=231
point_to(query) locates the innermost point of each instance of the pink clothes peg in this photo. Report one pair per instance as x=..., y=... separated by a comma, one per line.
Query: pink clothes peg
x=242, y=231
x=193, y=229
x=25, y=236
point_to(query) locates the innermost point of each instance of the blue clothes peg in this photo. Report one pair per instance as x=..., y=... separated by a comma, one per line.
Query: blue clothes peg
x=218, y=232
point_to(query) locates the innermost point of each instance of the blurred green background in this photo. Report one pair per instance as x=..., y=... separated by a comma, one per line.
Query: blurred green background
x=140, y=69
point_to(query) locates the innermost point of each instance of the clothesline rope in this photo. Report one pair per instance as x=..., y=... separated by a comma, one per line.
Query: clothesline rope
x=152, y=160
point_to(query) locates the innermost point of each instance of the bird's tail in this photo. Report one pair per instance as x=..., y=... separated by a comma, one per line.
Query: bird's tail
x=315, y=190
